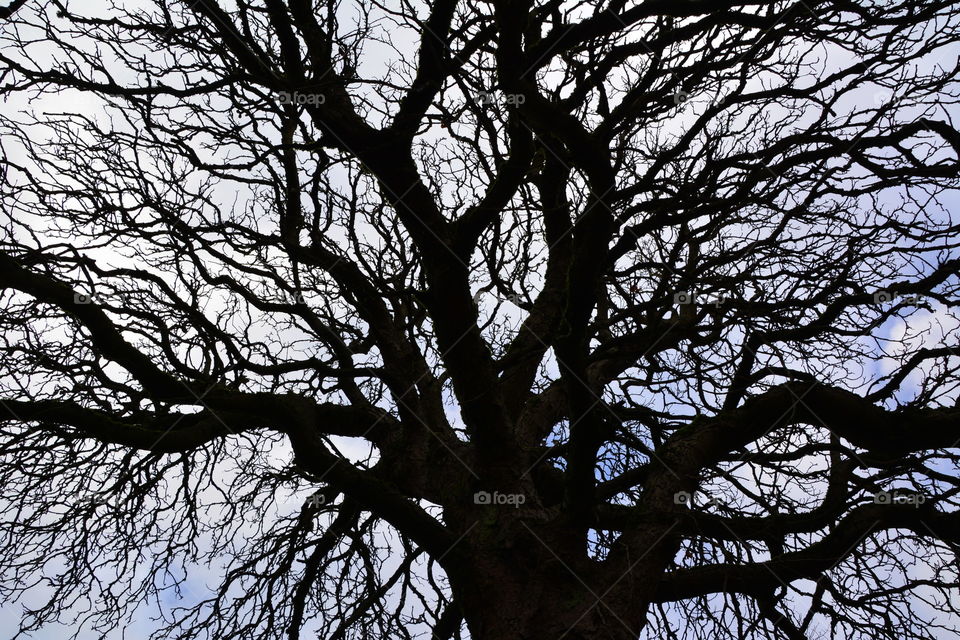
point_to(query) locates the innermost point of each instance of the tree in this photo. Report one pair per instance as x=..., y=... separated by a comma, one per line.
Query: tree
x=504, y=319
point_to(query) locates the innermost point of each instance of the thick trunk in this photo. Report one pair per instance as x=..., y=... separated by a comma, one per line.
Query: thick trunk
x=541, y=598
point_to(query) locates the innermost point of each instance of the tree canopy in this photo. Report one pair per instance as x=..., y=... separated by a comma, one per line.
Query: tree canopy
x=526, y=319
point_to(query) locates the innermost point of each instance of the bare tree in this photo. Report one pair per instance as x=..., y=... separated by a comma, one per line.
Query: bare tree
x=504, y=319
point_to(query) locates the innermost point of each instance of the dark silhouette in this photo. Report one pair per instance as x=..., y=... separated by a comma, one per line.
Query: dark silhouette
x=492, y=320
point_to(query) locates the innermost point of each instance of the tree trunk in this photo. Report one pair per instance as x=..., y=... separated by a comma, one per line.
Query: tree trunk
x=533, y=595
